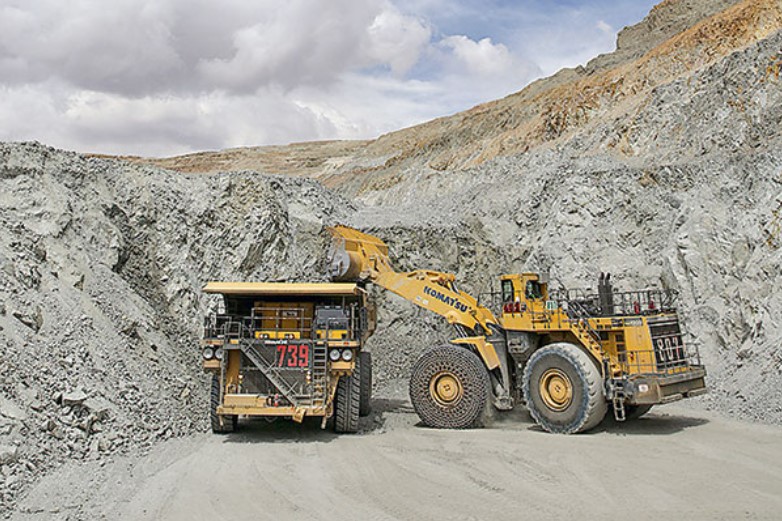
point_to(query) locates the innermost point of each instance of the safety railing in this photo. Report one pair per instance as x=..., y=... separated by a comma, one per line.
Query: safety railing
x=224, y=327
x=278, y=323
x=655, y=361
x=620, y=303
x=283, y=323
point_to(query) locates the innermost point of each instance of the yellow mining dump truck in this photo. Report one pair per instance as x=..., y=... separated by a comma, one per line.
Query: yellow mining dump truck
x=568, y=355
x=290, y=351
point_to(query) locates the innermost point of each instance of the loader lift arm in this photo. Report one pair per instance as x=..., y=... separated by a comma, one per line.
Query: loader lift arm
x=357, y=256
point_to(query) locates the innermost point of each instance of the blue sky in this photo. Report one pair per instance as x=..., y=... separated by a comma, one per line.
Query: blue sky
x=553, y=34
x=164, y=77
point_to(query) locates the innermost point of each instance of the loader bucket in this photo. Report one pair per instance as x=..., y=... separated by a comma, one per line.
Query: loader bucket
x=355, y=255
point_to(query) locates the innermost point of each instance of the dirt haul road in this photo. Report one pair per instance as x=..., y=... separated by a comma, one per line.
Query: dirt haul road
x=674, y=464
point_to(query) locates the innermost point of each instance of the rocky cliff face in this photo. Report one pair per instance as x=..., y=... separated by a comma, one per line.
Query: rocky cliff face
x=101, y=266
x=660, y=163
x=594, y=109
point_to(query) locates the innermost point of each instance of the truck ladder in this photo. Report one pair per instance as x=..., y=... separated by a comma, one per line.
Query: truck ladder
x=319, y=368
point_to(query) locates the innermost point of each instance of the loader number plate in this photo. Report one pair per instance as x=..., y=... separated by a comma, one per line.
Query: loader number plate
x=670, y=351
x=293, y=355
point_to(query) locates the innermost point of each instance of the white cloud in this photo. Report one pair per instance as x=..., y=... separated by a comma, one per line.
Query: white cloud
x=293, y=44
x=482, y=57
x=396, y=40
x=605, y=28
x=160, y=77
x=119, y=49
x=154, y=125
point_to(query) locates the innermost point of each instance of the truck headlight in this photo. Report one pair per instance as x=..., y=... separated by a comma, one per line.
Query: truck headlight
x=208, y=353
x=334, y=355
x=347, y=355
x=219, y=352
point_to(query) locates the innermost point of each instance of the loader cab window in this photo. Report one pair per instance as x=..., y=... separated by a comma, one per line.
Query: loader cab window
x=507, y=291
x=533, y=291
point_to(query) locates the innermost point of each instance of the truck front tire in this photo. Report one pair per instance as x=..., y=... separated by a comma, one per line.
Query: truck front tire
x=365, y=406
x=449, y=388
x=220, y=424
x=348, y=401
x=563, y=388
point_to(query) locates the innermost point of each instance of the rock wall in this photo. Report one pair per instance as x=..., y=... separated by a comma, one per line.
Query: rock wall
x=101, y=267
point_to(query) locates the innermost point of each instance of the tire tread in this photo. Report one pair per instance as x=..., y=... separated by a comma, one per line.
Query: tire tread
x=476, y=394
x=348, y=401
x=228, y=422
x=596, y=404
x=365, y=407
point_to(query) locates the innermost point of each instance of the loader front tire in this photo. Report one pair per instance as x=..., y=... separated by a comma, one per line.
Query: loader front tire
x=563, y=388
x=348, y=401
x=449, y=388
x=220, y=424
x=365, y=405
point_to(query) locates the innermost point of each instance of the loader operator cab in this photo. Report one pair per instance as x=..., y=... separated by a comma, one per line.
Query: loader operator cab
x=527, y=284
x=523, y=291
x=533, y=290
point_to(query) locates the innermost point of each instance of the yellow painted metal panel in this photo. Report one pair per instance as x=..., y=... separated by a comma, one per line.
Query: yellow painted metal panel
x=486, y=349
x=255, y=405
x=211, y=364
x=280, y=288
x=341, y=365
x=296, y=414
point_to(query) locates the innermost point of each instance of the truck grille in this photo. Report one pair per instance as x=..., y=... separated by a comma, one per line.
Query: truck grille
x=296, y=369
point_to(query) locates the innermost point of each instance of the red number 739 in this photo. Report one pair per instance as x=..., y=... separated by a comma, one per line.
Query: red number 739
x=293, y=355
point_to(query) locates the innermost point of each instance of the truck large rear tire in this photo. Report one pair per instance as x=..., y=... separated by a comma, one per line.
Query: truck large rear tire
x=449, y=388
x=563, y=388
x=348, y=401
x=220, y=424
x=365, y=406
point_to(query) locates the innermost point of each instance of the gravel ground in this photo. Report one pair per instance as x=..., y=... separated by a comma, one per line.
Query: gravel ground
x=671, y=464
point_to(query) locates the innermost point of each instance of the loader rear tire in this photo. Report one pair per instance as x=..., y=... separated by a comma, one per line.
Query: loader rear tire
x=365, y=405
x=348, y=402
x=633, y=412
x=563, y=388
x=449, y=388
x=220, y=424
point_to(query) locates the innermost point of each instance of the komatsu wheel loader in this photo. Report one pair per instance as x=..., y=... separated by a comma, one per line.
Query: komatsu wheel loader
x=569, y=356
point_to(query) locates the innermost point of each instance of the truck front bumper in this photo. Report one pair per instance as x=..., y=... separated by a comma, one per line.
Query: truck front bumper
x=659, y=389
x=259, y=405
